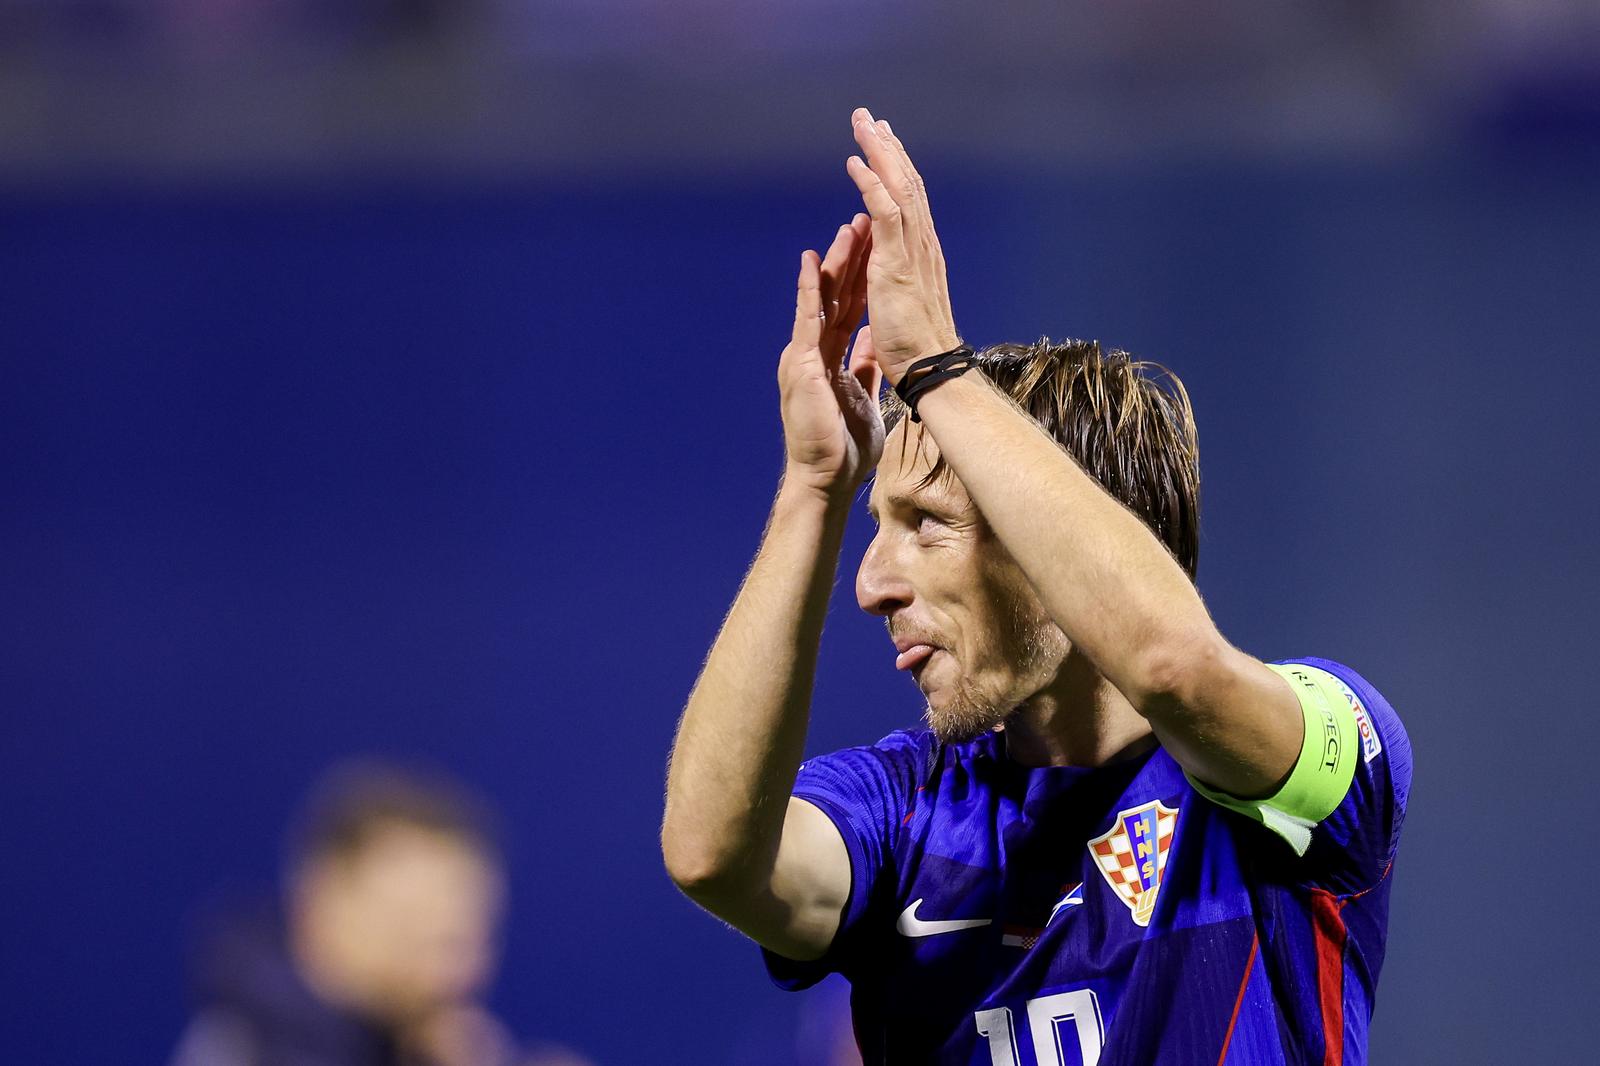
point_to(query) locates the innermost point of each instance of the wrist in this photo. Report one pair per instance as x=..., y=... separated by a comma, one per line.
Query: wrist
x=952, y=392
x=933, y=345
x=930, y=373
x=802, y=489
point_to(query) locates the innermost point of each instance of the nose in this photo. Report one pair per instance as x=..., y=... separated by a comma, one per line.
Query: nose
x=881, y=586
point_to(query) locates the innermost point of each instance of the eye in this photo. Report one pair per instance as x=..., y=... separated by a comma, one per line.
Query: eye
x=926, y=522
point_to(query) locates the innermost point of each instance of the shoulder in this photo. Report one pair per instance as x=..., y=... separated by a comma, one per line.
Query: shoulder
x=216, y=1037
x=1378, y=726
x=1353, y=845
x=887, y=775
x=904, y=752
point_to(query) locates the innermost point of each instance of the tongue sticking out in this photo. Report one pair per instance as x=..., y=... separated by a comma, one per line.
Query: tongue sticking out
x=913, y=656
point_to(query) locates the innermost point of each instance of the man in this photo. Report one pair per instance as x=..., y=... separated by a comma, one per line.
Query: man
x=1121, y=839
x=395, y=892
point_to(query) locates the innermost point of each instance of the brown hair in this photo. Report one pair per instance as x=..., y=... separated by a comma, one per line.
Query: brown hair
x=1128, y=424
x=356, y=801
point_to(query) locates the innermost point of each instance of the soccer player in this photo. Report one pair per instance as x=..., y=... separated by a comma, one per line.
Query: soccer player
x=1120, y=839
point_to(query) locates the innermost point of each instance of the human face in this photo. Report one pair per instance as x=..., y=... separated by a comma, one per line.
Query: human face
x=964, y=620
x=407, y=925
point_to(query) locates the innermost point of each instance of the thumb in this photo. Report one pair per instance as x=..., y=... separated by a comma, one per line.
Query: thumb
x=864, y=363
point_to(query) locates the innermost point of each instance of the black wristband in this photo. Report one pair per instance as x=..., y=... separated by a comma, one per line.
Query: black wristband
x=927, y=374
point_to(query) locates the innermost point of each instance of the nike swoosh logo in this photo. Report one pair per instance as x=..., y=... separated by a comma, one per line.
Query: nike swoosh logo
x=910, y=925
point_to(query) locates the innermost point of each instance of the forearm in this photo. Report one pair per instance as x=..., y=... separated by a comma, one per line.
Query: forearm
x=742, y=734
x=1105, y=579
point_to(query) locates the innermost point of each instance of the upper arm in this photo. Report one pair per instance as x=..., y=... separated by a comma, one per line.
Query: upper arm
x=838, y=854
x=1347, y=785
x=793, y=907
x=809, y=887
x=1231, y=721
x=835, y=850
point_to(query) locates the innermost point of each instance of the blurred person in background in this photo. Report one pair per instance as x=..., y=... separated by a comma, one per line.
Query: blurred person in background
x=388, y=935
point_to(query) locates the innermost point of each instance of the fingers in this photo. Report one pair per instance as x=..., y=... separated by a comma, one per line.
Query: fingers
x=834, y=264
x=862, y=224
x=892, y=163
x=902, y=158
x=920, y=208
x=852, y=301
x=860, y=229
x=888, y=161
x=808, y=303
x=917, y=190
x=864, y=363
x=919, y=250
x=882, y=156
x=887, y=222
x=863, y=351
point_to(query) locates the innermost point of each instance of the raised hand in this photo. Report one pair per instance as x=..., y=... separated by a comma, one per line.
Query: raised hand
x=906, y=285
x=833, y=433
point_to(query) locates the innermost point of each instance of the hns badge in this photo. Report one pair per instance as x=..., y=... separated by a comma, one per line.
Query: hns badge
x=1133, y=855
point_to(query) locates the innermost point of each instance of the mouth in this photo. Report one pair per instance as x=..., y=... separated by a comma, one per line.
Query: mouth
x=913, y=650
x=913, y=656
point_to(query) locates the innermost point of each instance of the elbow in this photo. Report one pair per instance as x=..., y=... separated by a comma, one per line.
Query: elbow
x=687, y=867
x=1176, y=671
x=699, y=870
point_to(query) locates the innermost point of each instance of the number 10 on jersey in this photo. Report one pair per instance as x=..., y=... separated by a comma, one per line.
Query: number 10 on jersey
x=1048, y=1018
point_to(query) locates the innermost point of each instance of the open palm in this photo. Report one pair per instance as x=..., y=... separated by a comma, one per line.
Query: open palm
x=833, y=432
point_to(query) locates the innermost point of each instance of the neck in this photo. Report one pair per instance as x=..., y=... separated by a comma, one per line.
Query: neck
x=1078, y=719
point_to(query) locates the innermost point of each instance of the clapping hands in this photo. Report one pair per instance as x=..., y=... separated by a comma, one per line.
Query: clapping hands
x=888, y=259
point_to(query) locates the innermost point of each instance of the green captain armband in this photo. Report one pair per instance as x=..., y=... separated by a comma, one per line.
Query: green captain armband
x=1327, y=763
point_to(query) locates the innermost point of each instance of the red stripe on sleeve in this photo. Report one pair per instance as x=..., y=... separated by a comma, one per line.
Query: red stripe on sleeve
x=1328, y=923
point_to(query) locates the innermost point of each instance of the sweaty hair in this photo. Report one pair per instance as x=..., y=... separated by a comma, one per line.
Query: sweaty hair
x=355, y=802
x=1127, y=423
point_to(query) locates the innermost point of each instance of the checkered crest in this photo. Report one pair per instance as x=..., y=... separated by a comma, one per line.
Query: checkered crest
x=1132, y=856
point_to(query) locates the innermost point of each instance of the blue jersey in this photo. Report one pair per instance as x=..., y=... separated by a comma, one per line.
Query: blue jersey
x=1017, y=916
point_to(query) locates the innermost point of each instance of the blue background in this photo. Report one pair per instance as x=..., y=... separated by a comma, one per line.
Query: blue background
x=469, y=471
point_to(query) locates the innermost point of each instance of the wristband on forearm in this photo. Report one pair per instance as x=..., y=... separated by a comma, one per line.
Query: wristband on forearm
x=927, y=374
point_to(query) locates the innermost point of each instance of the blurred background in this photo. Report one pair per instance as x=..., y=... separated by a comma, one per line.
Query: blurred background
x=394, y=379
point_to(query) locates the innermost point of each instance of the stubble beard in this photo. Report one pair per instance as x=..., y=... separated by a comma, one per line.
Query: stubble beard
x=1034, y=645
x=968, y=716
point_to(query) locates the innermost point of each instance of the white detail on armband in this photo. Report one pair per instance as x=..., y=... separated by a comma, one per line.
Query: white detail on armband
x=1291, y=827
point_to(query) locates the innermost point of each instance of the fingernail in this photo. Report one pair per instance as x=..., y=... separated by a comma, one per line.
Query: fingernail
x=885, y=124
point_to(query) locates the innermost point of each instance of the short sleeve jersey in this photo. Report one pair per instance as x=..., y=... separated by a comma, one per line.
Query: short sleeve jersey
x=1116, y=915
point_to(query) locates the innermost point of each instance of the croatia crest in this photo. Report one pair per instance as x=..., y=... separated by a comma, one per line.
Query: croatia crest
x=1133, y=855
